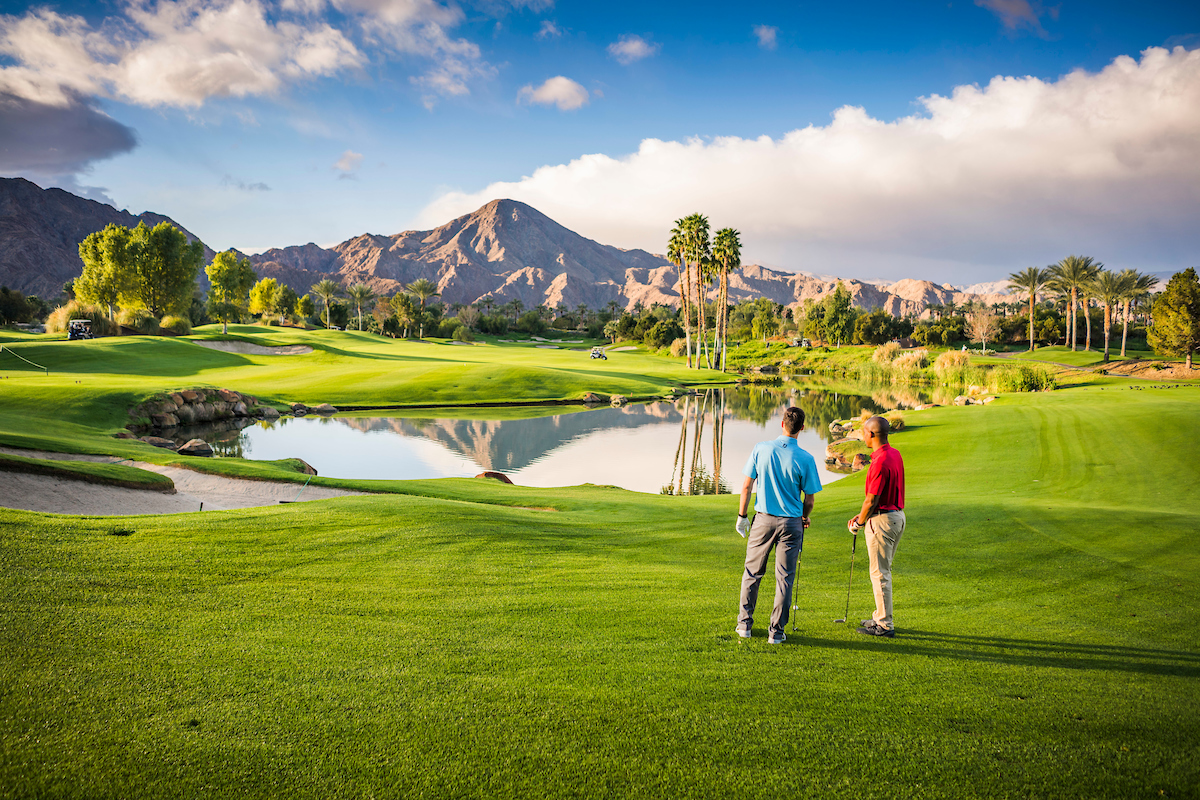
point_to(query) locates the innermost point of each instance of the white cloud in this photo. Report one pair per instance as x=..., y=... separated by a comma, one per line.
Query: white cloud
x=766, y=36
x=630, y=48
x=1021, y=170
x=557, y=91
x=549, y=30
x=348, y=164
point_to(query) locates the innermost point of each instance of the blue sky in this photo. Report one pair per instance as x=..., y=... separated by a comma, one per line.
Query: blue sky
x=261, y=124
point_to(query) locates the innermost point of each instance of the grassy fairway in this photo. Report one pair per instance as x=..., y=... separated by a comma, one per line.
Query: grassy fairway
x=451, y=643
x=92, y=384
x=1058, y=354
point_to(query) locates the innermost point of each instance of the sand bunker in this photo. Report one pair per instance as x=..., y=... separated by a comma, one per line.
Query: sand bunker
x=247, y=349
x=628, y=347
x=56, y=495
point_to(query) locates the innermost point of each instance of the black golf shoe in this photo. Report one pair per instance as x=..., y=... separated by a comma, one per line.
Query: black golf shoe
x=877, y=630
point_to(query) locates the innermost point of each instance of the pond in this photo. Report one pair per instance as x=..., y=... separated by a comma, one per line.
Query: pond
x=696, y=444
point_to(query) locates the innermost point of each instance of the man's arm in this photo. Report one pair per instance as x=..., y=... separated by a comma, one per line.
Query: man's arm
x=869, y=507
x=808, y=507
x=744, y=504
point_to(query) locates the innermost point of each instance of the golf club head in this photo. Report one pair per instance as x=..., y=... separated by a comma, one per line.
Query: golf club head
x=839, y=621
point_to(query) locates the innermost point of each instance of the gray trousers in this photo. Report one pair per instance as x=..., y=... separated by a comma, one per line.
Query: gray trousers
x=767, y=532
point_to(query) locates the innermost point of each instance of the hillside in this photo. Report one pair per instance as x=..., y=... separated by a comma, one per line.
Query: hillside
x=40, y=232
x=505, y=250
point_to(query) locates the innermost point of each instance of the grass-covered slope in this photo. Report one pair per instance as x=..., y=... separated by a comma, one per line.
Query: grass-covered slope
x=440, y=645
x=92, y=384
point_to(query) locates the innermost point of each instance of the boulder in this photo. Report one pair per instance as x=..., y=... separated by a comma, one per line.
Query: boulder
x=767, y=369
x=196, y=447
x=186, y=415
x=123, y=435
x=192, y=396
x=592, y=397
x=962, y=400
x=787, y=362
x=618, y=399
x=267, y=412
x=324, y=410
x=158, y=441
x=924, y=406
x=165, y=420
x=305, y=467
x=860, y=461
x=496, y=476
x=177, y=399
x=987, y=400
x=204, y=412
x=239, y=409
x=299, y=409
x=228, y=396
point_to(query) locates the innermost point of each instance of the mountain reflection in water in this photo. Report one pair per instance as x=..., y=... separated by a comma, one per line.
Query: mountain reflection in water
x=696, y=444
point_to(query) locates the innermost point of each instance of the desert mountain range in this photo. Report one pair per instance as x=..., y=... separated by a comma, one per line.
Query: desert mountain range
x=504, y=250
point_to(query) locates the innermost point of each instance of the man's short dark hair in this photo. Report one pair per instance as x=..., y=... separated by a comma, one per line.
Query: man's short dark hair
x=793, y=420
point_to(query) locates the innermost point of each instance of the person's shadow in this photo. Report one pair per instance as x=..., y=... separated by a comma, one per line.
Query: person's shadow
x=1024, y=652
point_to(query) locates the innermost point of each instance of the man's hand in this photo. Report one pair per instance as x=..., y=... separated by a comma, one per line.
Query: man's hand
x=806, y=521
x=852, y=524
x=743, y=526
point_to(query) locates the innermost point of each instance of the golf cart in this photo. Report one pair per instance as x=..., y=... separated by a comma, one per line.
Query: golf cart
x=598, y=352
x=79, y=329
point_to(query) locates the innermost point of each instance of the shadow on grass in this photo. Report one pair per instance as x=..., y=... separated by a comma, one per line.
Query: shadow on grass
x=1024, y=652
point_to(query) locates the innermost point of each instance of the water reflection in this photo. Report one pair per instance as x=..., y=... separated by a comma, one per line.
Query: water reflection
x=635, y=447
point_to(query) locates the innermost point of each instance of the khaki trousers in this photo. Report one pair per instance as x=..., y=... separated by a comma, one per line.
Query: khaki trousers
x=767, y=532
x=883, y=534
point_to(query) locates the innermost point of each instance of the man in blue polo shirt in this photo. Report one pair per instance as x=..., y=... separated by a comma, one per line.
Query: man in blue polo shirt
x=787, y=480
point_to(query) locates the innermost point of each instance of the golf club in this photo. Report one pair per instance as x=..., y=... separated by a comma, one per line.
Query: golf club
x=799, y=561
x=853, y=547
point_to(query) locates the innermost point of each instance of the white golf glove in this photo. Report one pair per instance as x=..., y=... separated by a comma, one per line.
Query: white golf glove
x=743, y=526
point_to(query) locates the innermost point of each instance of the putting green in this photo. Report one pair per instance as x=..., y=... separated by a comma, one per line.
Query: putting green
x=471, y=639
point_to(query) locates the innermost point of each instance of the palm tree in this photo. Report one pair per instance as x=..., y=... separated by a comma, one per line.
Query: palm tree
x=1031, y=280
x=360, y=294
x=1110, y=289
x=1069, y=276
x=327, y=290
x=677, y=254
x=422, y=289
x=727, y=251
x=1138, y=287
x=699, y=251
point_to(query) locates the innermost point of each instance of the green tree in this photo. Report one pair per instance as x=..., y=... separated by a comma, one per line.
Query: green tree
x=838, y=319
x=1138, y=287
x=164, y=269
x=1176, y=328
x=765, y=324
x=265, y=296
x=1030, y=279
x=1110, y=289
x=727, y=253
x=360, y=295
x=405, y=311
x=423, y=289
x=677, y=254
x=107, y=267
x=231, y=278
x=305, y=307
x=286, y=303
x=1070, y=276
x=327, y=290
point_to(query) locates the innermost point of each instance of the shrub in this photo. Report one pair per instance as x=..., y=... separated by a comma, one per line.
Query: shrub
x=463, y=334
x=952, y=366
x=60, y=317
x=138, y=319
x=677, y=347
x=446, y=328
x=906, y=364
x=1021, y=378
x=531, y=322
x=895, y=420
x=180, y=326
x=886, y=353
x=663, y=333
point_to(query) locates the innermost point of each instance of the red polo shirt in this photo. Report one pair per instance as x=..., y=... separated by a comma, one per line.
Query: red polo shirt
x=885, y=477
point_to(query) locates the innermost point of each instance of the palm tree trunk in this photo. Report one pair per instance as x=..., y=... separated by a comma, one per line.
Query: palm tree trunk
x=1124, y=327
x=724, y=318
x=685, y=296
x=1107, y=328
x=1032, y=295
x=1074, y=320
x=1087, y=319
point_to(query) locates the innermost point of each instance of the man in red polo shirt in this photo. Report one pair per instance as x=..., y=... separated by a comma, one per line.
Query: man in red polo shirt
x=883, y=515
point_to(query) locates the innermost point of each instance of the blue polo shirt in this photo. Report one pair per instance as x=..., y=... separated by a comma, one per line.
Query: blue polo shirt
x=783, y=470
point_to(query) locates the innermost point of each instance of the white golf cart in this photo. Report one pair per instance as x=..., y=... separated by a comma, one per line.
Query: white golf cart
x=79, y=329
x=598, y=352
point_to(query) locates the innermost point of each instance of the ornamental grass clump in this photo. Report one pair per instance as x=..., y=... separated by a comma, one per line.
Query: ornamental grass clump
x=180, y=326
x=138, y=319
x=1021, y=378
x=61, y=317
x=906, y=366
x=953, y=368
x=886, y=353
x=895, y=420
